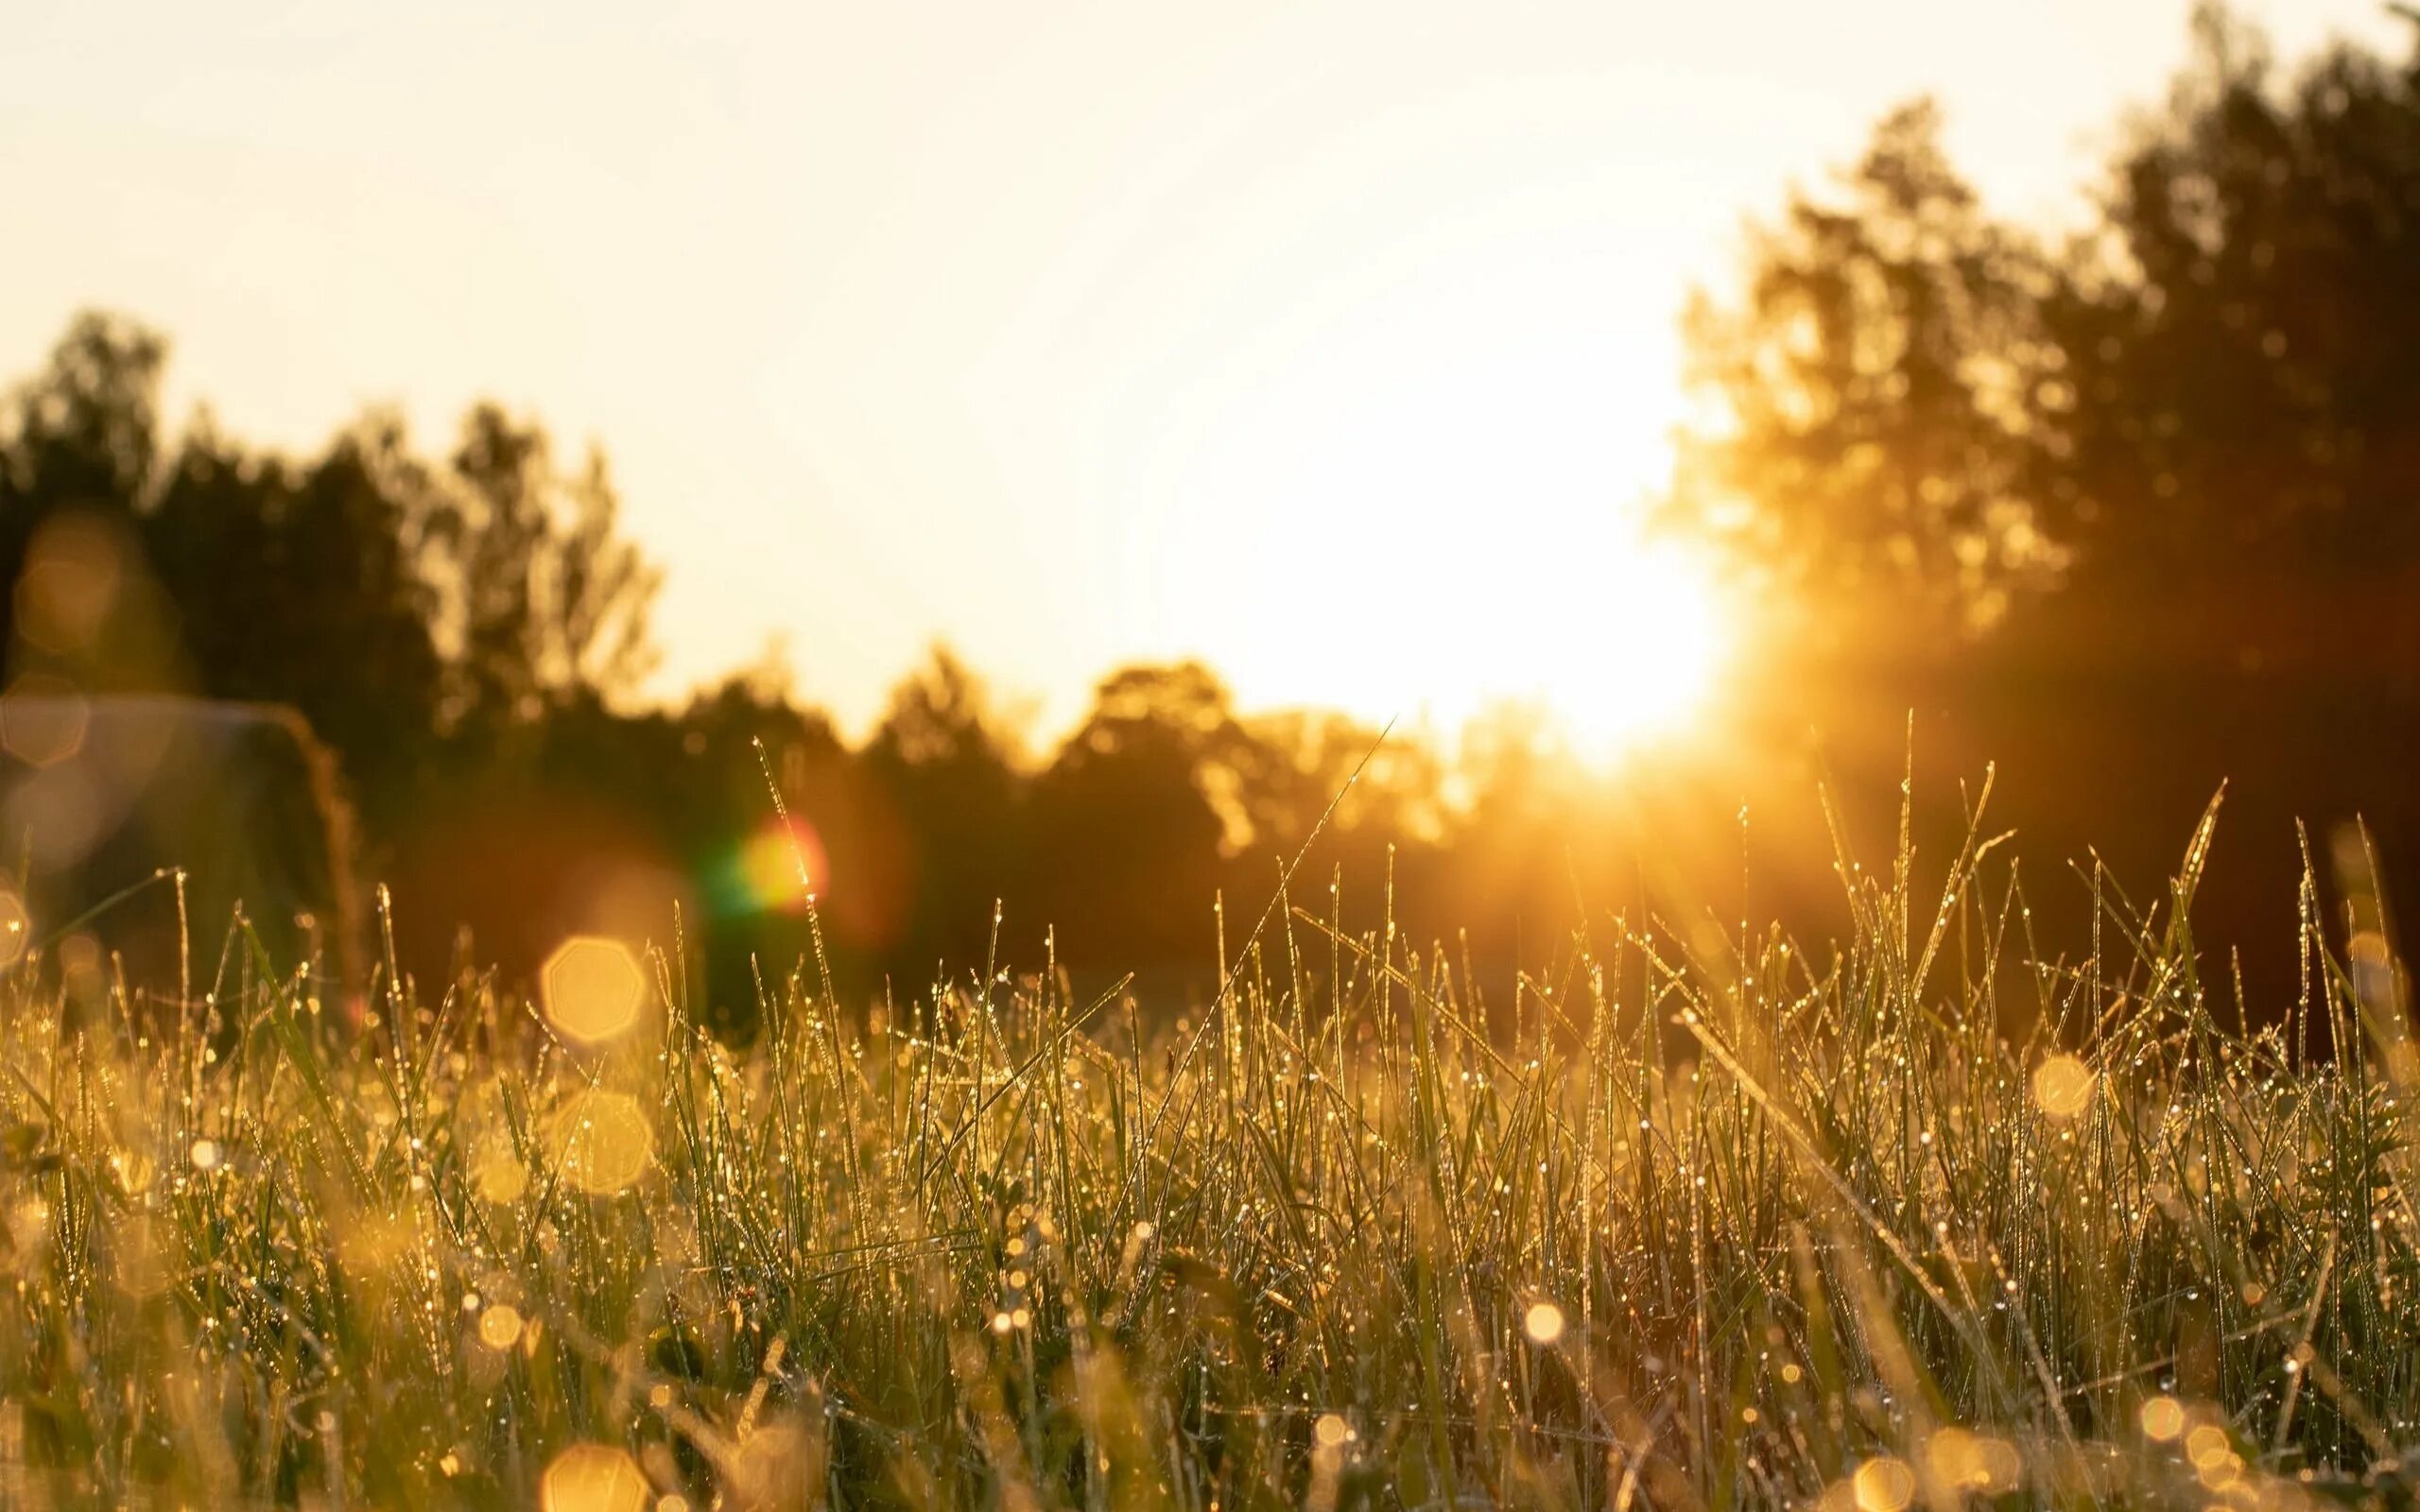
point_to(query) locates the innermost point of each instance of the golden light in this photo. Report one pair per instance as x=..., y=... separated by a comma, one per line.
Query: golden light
x=764, y=875
x=603, y=1141
x=16, y=928
x=71, y=581
x=1973, y=1462
x=592, y=990
x=2162, y=1420
x=1622, y=640
x=2062, y=1087
x=593, y=1477
x=1884, y=1484
x=1542, y=1323
x=500, y=1326
x=43, y=719
x=499, y=1177
x=1421, y=529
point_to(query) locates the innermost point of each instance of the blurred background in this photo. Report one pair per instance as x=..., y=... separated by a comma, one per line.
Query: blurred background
x=1067, y=439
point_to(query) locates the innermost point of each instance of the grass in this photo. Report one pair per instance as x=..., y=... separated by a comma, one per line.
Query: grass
x=1691, y=1220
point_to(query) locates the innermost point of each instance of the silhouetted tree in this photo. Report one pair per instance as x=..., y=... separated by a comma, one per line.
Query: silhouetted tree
x=539, y=598
x=2199, y=422
x=1871, y=383
x=336, y=620
x=2207, y=405
x=942, y=760
x=2241, y=392
x=1131, y=815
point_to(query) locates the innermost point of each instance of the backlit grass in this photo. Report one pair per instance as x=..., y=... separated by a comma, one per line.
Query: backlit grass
x=1687, y=1220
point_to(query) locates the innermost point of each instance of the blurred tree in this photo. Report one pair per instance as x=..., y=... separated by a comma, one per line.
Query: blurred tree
x=539, y=600
x=1130, y=817
x=2205, y=411
x=81, y=437
x=1870, y=393
x=943, y=760
x=1307, y=759
x=392, y=601
x=2241, y=388
x=85, y=432
x=338, y=623
x=2198, y=420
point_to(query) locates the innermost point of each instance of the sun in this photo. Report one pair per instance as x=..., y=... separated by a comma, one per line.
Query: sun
x=1619, y=640
x=1636, y=664
x=1414, y=504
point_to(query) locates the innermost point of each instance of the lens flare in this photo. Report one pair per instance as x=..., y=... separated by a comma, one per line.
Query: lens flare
x=592, y=988
x=603, y=1141
x=593, y=1477
x=1542, y=1323
x=762, y=876
x=1884, y=1484
x=43, y=719
x=16, y=929
x=2062, y=1087
x=500, y=1326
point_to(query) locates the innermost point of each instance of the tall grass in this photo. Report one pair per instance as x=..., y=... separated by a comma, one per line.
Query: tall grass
x=1689, y=1219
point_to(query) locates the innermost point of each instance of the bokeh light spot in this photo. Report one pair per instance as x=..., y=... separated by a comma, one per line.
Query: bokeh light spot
x=603, y=1141
x=500, y=1326
x=2062, y=1087
x=16, y=928
x=1884, y=1484
x=1544, y=1323
x=71, y=582
x=763, y=877
x=1973, y=1462
x=2163, y=1419
x=592, y=988
x=43, y=719
x=498, y=1175
x=593, y=1477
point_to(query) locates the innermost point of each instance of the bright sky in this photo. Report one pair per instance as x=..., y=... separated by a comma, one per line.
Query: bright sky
x=1330, y=340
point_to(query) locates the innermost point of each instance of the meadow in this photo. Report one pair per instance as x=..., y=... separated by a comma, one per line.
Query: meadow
x=1925, y=1214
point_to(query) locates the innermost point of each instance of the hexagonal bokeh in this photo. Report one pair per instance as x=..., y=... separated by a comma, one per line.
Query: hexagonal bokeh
x=592, y=988
x=593, y=1477
x=43, y=719
x=603, y=1143
x=16, y=930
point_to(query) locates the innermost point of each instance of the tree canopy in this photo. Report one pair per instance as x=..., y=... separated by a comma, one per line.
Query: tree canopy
x=2214, y=383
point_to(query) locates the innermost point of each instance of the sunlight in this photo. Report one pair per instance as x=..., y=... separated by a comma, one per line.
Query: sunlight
x=1620, y=641
x=1638, y=661
x=1415, y=501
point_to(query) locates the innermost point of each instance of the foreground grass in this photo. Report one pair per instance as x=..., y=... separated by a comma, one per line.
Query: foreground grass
x=1692, y=1221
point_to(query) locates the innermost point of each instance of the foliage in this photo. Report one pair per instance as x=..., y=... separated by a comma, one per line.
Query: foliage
x=395, y=602
x=1873, y=386
x=1680, y=1224
x=2209, y=392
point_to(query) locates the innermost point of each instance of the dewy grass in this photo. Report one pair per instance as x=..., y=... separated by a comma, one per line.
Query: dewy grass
x=1689, y=1221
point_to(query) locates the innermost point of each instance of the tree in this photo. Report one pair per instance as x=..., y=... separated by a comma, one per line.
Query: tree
x=539, y=600
x=338, y=620
x=942, y=758
x=1870, y=387
x=80, y=438
x=2242, y=393
x=1133, y=815
x=2202, y=413
x=85, y=433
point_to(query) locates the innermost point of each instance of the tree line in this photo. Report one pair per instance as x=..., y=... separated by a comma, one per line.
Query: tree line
x=2131, y=510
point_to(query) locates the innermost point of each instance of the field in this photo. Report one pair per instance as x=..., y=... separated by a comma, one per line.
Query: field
x=1693, y=1219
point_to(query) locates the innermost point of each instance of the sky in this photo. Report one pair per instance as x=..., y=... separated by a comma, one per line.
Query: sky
x=1333, y=341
